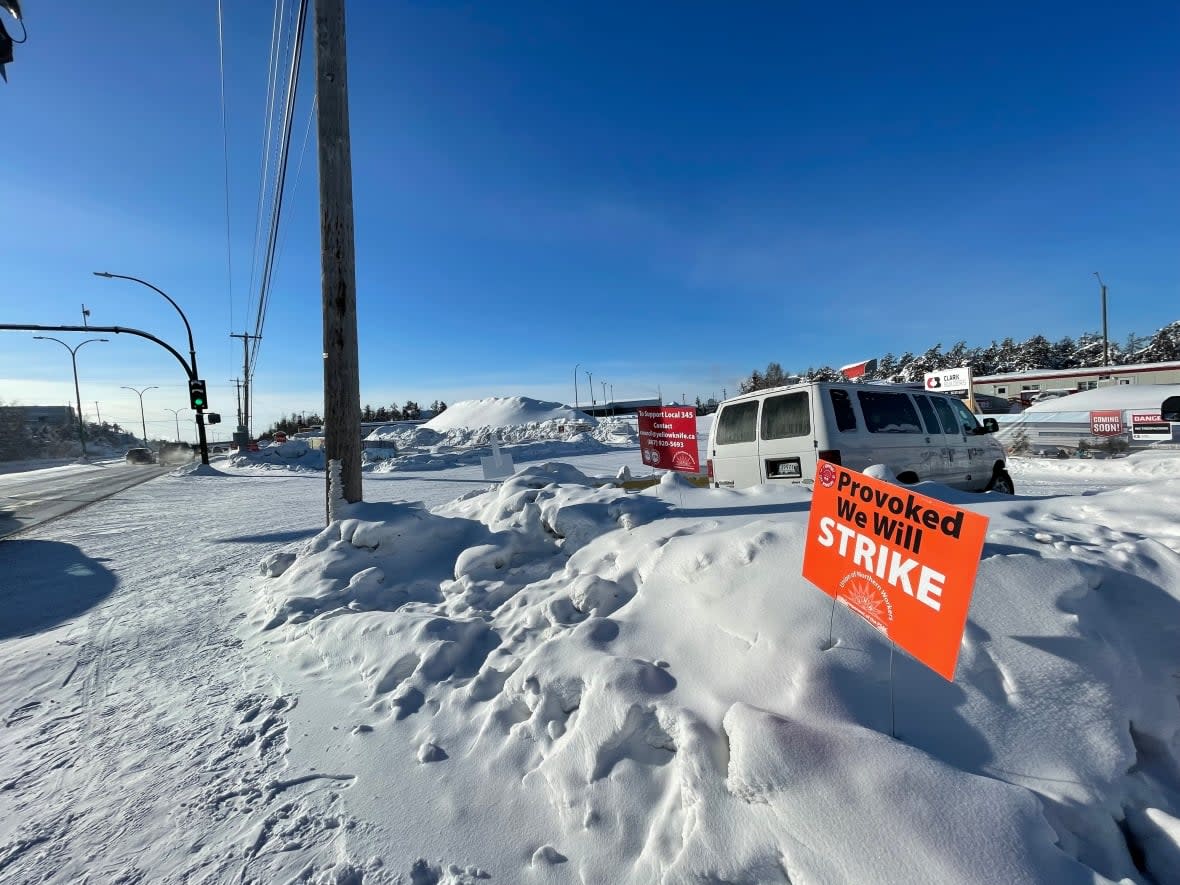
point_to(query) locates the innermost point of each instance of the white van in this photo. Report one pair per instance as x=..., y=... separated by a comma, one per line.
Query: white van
x=778, y=435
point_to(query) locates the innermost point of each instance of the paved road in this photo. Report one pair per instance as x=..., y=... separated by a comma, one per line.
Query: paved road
x=30, y=499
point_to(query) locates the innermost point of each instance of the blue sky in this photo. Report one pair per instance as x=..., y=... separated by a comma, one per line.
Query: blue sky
x=670, y=195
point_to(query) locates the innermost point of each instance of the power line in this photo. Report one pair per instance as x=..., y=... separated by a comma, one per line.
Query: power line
x=276, y=215
x=272, y=74
x=229, y=262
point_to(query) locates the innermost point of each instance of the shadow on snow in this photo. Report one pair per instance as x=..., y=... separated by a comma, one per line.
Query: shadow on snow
x=47, y=583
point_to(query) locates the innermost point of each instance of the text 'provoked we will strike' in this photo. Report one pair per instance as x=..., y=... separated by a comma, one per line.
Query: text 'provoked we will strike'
x=905, y=562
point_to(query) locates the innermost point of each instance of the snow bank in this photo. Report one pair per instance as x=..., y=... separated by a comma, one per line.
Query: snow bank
x=648, y=685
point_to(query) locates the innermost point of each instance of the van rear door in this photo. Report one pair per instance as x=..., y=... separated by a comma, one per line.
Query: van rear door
x=786, y=450
x=734, y=446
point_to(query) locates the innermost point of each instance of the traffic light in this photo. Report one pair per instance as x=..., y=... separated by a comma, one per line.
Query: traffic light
x=212, y=418
x=196, y=395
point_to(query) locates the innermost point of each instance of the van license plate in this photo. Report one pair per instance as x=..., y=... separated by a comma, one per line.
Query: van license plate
x=784, y=468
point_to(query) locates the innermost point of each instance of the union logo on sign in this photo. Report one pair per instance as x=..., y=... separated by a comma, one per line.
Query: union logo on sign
x=827, y=475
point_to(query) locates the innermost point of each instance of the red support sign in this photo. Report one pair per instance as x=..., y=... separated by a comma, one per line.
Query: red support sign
x=668, y=438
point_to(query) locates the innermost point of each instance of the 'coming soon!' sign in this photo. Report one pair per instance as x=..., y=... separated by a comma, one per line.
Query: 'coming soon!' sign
x=904, y=562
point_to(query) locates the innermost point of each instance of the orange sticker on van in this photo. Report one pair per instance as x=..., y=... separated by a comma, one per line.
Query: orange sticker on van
x=904, y=562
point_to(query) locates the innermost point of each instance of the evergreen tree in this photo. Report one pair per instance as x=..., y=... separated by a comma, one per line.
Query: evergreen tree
x=1164, y=345
x=1063, y=354
x=1035, y=353
x=754, y=382
x=775, y=377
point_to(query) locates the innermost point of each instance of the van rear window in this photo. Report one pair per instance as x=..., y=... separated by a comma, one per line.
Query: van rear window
x=786, y=416
x=889, y=412
x=736, y=423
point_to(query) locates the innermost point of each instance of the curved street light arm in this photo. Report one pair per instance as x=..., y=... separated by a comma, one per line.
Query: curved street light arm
x=189, y=329
x=189, y=371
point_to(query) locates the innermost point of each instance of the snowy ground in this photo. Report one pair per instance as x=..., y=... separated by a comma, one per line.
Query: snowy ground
x=558, y=681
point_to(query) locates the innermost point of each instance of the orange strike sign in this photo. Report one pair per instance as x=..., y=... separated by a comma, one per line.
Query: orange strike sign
x=904, y=562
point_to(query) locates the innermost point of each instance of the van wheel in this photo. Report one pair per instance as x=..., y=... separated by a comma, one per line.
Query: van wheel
x=1001, y=482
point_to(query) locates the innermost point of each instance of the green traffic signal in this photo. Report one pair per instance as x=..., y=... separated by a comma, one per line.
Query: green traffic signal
x=196, y=395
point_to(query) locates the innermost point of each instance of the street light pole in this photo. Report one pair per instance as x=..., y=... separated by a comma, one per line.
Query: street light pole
x=591, y=377
x=77, y=392
x=142, y=420
x=192, y=352
x=576, y=365
x=1105, y=340
x=176, y=417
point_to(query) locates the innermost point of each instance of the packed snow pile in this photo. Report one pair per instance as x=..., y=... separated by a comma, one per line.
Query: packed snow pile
x=572, y=683
x=1137, y=397
x=504, y=411
x=423, y=438
x=294, y=454
x=528, y=429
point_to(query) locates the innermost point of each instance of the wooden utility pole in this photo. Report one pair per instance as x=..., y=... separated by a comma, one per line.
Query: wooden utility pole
x=242, y=435
x=342, y=387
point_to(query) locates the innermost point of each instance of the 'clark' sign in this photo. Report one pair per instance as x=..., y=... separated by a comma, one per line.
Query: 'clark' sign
x=904, y=562
x=668, y=438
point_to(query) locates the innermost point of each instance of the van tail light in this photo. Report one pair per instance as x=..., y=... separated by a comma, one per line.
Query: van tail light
x=709, y=468
x=832, y=455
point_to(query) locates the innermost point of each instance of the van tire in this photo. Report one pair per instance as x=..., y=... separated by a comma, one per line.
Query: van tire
x=1001, y=482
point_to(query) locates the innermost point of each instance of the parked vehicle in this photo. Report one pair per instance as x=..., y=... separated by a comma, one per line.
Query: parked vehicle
x=779, y=435
x=140, y=456
x=991, y=405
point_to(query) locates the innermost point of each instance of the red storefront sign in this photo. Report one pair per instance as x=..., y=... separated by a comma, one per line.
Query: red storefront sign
x=1107, y=422
x=668, y=438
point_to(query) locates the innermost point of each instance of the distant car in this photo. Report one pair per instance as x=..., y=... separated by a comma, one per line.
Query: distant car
x=140, y=456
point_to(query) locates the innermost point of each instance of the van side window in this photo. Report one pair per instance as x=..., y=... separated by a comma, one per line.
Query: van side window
x=842, y=406
x=888, y=412
x=927, y=414
x=785, y=416
x=949, y=424
x=968, y=420
x=736, y=423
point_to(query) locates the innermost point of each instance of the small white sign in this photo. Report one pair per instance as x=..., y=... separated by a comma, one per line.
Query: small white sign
x=499, y=466
x=949, y=380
